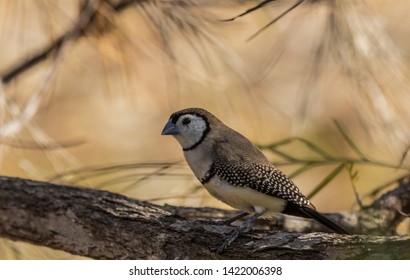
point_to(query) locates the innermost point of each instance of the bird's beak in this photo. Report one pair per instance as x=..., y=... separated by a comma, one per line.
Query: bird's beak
x=170, y=129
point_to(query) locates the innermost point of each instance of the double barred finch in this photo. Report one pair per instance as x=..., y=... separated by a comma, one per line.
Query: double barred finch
x=236, y=172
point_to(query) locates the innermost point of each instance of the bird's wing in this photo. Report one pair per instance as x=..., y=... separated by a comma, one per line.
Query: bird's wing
x=240, y=169
x=251, y=169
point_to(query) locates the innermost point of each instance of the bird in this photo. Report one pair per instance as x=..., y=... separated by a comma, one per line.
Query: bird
x=236, y=172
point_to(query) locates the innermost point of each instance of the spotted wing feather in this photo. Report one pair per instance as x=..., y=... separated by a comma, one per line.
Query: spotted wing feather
x=243, y=165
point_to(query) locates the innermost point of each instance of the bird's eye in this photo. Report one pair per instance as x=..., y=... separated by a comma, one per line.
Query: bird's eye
x=186, y=121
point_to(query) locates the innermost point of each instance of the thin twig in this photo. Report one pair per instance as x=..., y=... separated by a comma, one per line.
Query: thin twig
x=83, y=21
x=276, y=19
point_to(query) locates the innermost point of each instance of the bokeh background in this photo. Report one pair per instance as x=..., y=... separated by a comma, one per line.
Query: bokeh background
x=331, y=72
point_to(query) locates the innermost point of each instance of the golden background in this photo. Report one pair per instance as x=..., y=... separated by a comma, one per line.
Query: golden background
x=91, y=114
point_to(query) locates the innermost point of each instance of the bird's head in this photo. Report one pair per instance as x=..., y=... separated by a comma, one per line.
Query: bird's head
x=190, y=126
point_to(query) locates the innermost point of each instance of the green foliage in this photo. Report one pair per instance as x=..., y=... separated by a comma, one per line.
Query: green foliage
x=341, y=163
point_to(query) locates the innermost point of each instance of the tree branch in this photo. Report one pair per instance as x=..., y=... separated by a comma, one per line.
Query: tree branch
x=104, y=225
x=85, y=19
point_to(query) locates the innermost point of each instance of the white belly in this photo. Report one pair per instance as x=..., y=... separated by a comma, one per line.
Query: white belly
x=244, y=198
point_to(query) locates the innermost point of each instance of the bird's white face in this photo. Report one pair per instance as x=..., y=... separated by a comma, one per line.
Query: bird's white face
x=188, y=129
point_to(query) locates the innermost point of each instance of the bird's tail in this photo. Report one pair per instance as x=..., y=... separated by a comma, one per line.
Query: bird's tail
x=311, y=213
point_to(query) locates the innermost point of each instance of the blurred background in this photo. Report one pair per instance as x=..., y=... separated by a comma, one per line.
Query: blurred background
x=321, y=86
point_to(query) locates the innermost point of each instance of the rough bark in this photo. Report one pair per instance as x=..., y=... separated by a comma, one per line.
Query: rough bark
x=104, y=225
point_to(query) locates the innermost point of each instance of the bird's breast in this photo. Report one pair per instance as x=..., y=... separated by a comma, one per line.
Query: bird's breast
x=199, y=162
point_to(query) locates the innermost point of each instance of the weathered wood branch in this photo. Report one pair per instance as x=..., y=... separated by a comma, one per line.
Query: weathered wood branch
x=104, y=225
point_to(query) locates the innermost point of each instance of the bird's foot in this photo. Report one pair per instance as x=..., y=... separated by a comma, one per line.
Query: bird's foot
x=229, y=221
x=244, y=227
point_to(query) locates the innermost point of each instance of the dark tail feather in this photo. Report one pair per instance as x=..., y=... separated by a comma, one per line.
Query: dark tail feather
x=313, y=214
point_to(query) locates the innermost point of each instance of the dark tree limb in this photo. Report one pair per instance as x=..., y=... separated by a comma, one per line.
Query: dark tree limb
x=104, y=225
x=87, y=13
x=85, y=19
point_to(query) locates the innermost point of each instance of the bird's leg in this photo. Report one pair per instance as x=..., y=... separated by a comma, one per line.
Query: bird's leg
x=241, y=228
x=232, y=219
